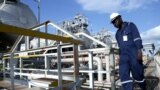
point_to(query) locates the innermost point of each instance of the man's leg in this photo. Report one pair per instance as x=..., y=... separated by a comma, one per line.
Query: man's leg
x=137, y=70
x=124, y=71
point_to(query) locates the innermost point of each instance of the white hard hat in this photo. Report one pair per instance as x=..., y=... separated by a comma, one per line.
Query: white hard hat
x=113, y=16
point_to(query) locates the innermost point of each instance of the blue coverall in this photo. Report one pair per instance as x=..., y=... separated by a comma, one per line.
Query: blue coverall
x=129, y=41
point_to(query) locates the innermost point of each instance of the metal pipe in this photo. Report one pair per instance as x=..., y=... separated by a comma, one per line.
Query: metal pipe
x=107, y=68
x=55, y=70
x=99, y=68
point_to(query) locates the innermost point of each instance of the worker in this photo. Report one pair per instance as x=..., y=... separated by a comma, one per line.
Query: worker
x=130, y=46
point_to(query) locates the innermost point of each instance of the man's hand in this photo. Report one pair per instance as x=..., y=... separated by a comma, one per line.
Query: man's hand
x=140, y=56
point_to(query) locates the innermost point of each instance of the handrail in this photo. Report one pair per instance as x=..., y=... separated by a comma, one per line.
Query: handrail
x=88, y=36
x=62, y=30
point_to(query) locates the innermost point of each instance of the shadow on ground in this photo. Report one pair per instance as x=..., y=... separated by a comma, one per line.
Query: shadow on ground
x=151, y=83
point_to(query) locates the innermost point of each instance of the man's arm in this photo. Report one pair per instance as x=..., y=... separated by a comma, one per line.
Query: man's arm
x=137, y=40
x=136, y=36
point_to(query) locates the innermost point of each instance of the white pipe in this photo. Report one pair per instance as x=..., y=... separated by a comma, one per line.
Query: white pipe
x=34, y=76
x=99, y=65
x=107, y=68
x=63, y=70
x=95, y=51
x=91, y=78
x=99, y=68
x=81, y=59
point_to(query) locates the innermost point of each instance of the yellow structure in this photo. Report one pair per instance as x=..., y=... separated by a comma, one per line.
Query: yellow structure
x=27, y=32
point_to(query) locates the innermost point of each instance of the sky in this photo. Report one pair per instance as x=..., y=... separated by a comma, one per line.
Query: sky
x=144, y=13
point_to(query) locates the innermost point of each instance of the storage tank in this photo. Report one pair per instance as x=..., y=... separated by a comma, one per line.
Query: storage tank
x=16, y=13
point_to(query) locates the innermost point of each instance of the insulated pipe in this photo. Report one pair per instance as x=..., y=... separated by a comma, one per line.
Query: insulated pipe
x=91, y=78
x=107, y=68
x=99, y=68
x=99, y=65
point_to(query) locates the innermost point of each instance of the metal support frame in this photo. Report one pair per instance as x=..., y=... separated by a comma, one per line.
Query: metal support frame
x=21, y=66
x=27, y=43
x=76, y=64
x=87, y=52
x=46, y=31
x=21, y=31
x=4, y=68
x=59, y=67
x=27, y=32
x=12, y=70
x=91, y=38
x=39, y=17
x=46, y=64
x=62, y=30
x=113, y=86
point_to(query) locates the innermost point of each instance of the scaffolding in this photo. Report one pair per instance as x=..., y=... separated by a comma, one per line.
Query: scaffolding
x=107, y=57
x=27, y=32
